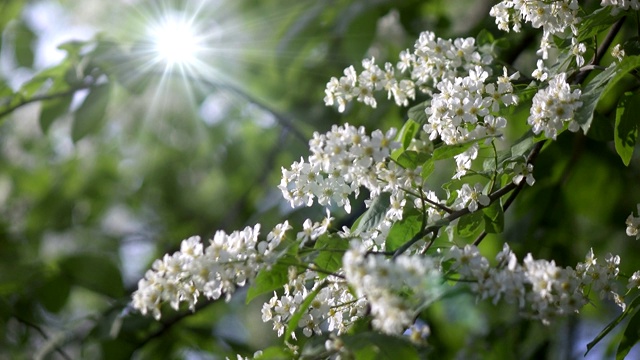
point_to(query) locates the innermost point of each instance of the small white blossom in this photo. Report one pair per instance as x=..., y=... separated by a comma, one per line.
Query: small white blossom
x=633, y=225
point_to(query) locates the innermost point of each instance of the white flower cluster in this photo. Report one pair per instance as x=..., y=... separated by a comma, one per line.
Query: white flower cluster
x=633, y=225
x=343, y=160
x=620, y=5
x=461, y=110
x=432, y=59
x=383, y=281
x=554, y=106
x=334, y=307
x=540, y=288
x=214, y=271
x=471, y=198
x=554, y=17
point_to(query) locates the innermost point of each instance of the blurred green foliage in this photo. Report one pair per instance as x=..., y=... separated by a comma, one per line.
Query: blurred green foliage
x=104, y=166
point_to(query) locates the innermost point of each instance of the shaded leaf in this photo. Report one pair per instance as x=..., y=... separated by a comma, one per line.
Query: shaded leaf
x=375, y=214
x=631, y=308
x=270, y=279
x=52, y=110
x=93, y=272
x=627, y=124
x=23, y=44
x=331, y=248
x=493, y=218
x=630, y=337
x=417, y=113
x=53, y=294
x=470, y=224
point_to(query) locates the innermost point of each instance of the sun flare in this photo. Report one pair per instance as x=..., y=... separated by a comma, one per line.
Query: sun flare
x=175, y=41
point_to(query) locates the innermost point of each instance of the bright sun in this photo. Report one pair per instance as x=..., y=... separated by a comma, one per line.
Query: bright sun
x=175, y=41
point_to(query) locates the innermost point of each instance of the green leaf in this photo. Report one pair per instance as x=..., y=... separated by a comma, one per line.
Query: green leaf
x=449, y=151
x=270, y=279
x=402, y=231
x=331, y=249
x=484, y=37
x=590, y=96
x=375, y=214
x=292, y=325
x=427, y=168
x=596, y=22
x=631, y=308
x=600, y=86
x=470, y=224
x=23, y=44
x=493, y=218
x=52, y=110
x=90, y=115
x=93, y=272
x=630, y=337
x=627, y=124
x=412, y=159
x=376, y=346
x=275, y=353
x=417, y=113
x=408, y=132
x=53, y=294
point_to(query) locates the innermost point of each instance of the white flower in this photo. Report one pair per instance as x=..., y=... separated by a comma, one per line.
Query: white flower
x=554, y=106
x=633, y=225
x=523, y=172
x=471, y=197
x=617, y=52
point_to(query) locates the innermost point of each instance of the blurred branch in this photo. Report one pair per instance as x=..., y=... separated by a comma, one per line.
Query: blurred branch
x=44, y=97
x=44, y=335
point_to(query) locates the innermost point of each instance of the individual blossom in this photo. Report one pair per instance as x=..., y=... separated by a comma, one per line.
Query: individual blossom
x=618, y=52
x=578, y=50
x=633, y=225
x=523, y=172
x=541, y=73
x=471, y=198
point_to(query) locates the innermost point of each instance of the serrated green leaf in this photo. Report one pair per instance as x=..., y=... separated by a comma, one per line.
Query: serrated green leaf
x=375, y=214
x=53, y=109
x=402, y=231
x=631, y=308
x=630, y=337
x=470, y=224
x=627, y=124
x=89, y=117
x=270, y=279
x=417, y=113
x=449, y=151
x=331, y=249
x=493, y=218
x=94, y=272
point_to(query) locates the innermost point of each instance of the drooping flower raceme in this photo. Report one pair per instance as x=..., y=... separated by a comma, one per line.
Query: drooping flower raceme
x=212, y=271
x=395, y=289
